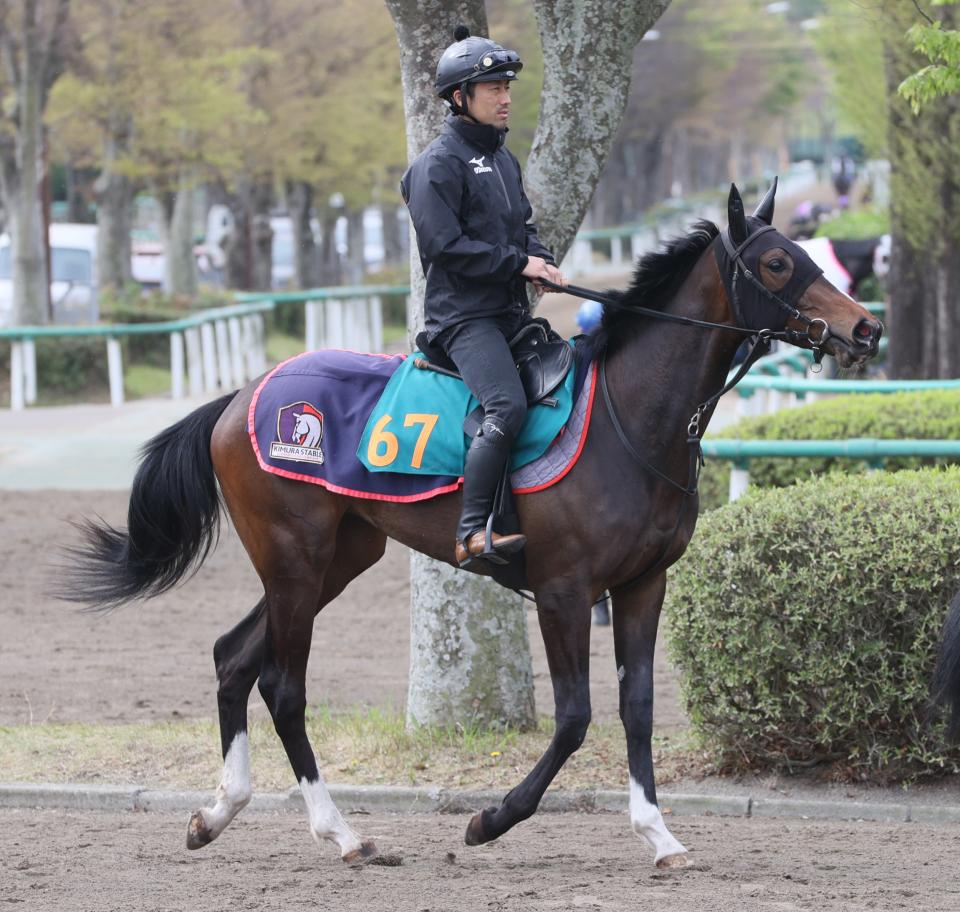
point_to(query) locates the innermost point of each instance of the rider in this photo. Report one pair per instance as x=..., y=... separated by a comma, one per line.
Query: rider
x=477, y=246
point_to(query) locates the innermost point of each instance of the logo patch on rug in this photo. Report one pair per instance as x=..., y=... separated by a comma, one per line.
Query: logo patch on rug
x=299, y=432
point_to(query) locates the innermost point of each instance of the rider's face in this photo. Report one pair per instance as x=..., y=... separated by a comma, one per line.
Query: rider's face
x=490, y=103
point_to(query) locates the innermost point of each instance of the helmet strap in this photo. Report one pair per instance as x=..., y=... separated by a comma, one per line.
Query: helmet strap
x=460, y=110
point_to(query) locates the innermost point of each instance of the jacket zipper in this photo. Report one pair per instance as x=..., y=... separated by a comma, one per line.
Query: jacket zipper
x=503, y=186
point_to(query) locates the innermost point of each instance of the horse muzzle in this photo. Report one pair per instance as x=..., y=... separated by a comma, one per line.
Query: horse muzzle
x=863, y=343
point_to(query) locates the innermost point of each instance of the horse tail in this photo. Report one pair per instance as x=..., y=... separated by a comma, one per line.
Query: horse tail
x=946, y=678
x=173, y=520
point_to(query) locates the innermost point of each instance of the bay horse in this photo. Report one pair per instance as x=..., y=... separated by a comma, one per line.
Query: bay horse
x=615, y=522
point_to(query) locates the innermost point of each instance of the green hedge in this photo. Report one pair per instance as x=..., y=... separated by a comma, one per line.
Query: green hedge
x=926, y=415
x=804, y=623
x=66, y=368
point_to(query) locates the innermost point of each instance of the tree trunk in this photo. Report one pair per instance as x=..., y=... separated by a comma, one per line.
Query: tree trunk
x=114, y=193
x=394, y=247
x=469, y=651
x=300, y=206
x=31, y=279
x=354, y=259
x=262, y=236
x=180, y=263
x=249, y=247
x=330, y=271
x=924, y=281
x=581, y=106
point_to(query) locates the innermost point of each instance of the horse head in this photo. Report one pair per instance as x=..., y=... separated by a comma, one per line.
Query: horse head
x=772, y=283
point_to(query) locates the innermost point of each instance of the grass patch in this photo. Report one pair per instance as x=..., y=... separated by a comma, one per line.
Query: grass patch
x=372, y=748
x=146, y=380
x=281, y=346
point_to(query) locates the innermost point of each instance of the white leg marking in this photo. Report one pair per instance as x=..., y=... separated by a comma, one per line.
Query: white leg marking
x=325, y=820
x=234, y=792
x=648, y=823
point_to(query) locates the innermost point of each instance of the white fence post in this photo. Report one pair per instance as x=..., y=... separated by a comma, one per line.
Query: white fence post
x=176, y=365
x=313, y=317
x=260, y=345
x=616, y=252
x=353, y=329
x=739, y=481
x=115, y=370
x=334, y=324
x=223, y=354
x=17, y=398
x=249, y=345
x=194, y=361
x=236, y=352
x=375, y=310
x=30, y=371
x=209, y=358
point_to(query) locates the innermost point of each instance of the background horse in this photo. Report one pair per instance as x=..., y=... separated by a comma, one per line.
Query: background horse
x=848, y=262
x=621, y=516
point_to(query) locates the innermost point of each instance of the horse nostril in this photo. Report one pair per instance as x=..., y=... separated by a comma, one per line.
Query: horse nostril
x=867, y=332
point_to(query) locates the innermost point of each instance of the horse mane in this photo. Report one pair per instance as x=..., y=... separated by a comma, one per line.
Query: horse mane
x=656, y=279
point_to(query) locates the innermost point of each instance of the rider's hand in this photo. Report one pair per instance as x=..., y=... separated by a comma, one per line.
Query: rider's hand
x=538, y=268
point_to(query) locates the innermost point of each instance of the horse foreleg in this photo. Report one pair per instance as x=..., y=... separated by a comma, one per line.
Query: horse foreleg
x=565, y=625
x=237, y=656
x=636, y=613
x=290, y=613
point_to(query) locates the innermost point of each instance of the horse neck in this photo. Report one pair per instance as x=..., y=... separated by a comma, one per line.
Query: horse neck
x=659, y=372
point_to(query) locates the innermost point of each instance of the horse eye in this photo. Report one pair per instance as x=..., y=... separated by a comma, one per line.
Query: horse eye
x=776, y=265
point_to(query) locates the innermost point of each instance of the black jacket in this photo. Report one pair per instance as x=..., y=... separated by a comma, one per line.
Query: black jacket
x=472, y=218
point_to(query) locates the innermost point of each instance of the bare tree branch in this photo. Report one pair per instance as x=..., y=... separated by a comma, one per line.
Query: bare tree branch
x=921, y=12
x=56, y=48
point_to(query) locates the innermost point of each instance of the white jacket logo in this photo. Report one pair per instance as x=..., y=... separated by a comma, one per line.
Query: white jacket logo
x=481, y=167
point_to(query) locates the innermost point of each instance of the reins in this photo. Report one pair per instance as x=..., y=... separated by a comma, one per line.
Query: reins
x=761, y=339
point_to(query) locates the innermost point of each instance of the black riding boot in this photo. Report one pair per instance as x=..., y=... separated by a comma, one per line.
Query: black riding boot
x=485, y=463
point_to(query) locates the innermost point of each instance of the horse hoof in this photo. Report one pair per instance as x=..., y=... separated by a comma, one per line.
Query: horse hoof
x=364, y=855
x=198, y=833
x=476, y=832
x=680, y=860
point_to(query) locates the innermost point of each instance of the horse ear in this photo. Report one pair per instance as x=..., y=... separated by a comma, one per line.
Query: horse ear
x=765, y=209
x=735, y=217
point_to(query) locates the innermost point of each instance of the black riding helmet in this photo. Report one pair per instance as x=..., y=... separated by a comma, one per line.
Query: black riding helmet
x=472, y=59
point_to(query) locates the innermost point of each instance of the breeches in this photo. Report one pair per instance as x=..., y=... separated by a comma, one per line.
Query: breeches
x=480, y=351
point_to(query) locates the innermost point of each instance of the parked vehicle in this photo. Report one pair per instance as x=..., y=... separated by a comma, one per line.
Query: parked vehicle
x=73, y=280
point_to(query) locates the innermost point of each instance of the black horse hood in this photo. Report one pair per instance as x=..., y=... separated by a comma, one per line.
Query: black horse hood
x=753, y=309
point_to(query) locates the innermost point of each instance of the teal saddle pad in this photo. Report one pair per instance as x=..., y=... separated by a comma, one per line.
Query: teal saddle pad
x=416, y=427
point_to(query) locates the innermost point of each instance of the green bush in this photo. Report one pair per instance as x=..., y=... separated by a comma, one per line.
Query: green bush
x=925, y=415
x=804, y=623
x=856, y=223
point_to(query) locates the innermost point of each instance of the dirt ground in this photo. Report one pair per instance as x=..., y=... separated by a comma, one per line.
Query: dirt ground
x=92, y=862
x=153, y=661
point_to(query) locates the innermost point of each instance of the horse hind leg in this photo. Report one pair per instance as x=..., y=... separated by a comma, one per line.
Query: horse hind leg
x=237, y=656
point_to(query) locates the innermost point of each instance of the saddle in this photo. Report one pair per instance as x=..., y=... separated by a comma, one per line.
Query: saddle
x=542, y=357
x=543, y=360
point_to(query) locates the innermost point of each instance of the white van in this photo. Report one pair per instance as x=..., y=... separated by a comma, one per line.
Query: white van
x=73, y=283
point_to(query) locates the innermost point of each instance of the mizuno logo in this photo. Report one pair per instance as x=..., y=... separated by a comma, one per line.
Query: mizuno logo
x=481, y=167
